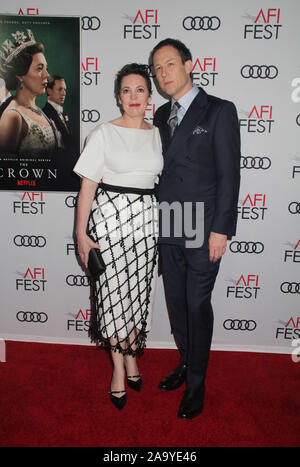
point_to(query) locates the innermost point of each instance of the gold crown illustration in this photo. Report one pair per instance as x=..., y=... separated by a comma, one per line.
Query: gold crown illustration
x=11, y=49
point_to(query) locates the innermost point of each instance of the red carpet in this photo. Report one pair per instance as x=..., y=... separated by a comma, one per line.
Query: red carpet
x=56, y=395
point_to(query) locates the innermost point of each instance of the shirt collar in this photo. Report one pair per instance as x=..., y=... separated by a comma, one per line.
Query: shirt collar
x=56, y=106
x=186, y=100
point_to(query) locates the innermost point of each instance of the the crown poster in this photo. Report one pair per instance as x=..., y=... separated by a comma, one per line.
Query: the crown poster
x=40, y=102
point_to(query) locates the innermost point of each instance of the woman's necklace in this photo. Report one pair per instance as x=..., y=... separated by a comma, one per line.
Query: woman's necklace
x=36, y=111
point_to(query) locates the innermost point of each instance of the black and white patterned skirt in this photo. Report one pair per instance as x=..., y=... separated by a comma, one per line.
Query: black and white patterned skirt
x=124, y=222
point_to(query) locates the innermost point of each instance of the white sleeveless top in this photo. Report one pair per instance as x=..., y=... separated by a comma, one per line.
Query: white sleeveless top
x=121, y=156
x=39, y=138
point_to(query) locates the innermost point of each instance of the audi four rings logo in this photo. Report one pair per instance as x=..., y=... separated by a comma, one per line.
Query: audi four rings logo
x=239, y=325
x=255, y=162
x=201, y=22
x=78, y=280
x=32, y=317
x=246, y=247
x=90, y=115
x=71, y=201
x=30, y=240
x=90, y=23
x=290, y=287
x=294, y=207
x=259, y=71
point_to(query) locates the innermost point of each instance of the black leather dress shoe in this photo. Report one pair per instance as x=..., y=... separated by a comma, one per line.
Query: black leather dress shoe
x=173, y=380
x=192, y=403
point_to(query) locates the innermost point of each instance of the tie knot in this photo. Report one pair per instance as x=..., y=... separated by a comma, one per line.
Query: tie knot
x=177, y=104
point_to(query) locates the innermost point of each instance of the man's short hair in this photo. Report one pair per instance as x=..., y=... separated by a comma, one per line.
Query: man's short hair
x=182, y=49
x=52, y=79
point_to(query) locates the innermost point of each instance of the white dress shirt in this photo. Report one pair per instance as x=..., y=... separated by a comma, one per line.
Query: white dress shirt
x=185, y=101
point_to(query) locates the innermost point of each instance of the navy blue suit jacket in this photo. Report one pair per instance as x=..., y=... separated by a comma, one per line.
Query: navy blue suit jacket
x=202, y=162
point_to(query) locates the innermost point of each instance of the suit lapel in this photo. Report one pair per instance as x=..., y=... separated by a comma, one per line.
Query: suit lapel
x=193, y=116
x=165, y=129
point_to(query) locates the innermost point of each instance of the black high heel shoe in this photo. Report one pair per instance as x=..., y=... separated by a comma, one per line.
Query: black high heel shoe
x=118, y=402
x=135, y=385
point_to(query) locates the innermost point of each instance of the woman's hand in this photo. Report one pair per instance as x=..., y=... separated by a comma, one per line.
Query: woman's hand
x=84, y=203
x=84, y=244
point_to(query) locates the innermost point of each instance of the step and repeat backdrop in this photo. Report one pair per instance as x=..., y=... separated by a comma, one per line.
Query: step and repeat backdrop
x=245, y=51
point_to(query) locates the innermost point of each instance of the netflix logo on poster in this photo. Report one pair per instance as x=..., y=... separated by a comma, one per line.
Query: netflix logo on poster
x=204, y=71
x=32, y=281
x=90, y=74
x=259, y=119
x=266, y=25
x=150, y=111
x=292, y=254
x=28, y=11
x=80, y=321
x=289, y=330
x=253, y=207
x=30, y=203
x=144, y=25
x=247, y=286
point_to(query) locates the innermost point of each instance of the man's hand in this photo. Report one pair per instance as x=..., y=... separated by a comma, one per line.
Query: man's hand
x=217, y=246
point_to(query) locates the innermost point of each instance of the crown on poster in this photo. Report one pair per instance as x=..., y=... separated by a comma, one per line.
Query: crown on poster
x=10, y=49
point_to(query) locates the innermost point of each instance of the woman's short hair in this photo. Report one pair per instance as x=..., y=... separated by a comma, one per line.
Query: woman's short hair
x=19, y=65
x=132, y=69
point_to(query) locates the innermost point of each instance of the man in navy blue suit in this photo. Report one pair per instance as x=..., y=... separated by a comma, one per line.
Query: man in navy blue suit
x=201, y=165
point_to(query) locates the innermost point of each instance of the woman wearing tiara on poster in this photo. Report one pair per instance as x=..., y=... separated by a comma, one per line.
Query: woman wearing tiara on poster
x=119, y=215
x=24, y=128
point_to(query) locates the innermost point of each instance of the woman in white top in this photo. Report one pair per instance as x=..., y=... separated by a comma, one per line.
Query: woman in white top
x=24, y=128
x=117, y=212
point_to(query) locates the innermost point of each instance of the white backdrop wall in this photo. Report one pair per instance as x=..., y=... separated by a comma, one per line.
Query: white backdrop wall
x=246, y=51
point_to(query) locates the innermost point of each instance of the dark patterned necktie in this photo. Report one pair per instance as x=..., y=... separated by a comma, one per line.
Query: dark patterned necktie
x=173, y=119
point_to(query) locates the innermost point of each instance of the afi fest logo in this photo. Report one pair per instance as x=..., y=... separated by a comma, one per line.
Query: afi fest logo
x=29, y=11
x=150, y=111
x=289, y=330
x=247, y=286
x=90, y=73
x=259, y=119
x=296, y=167
x=71, y=249
x=32, y=281
x=292, y=254
x=253, y=207
x=30, y=203
x=265, y=25
x=204, y=71
x=80, y=321
x=144, y=25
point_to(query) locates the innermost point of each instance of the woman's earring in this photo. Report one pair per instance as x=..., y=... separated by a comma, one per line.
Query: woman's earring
x=20, y=84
